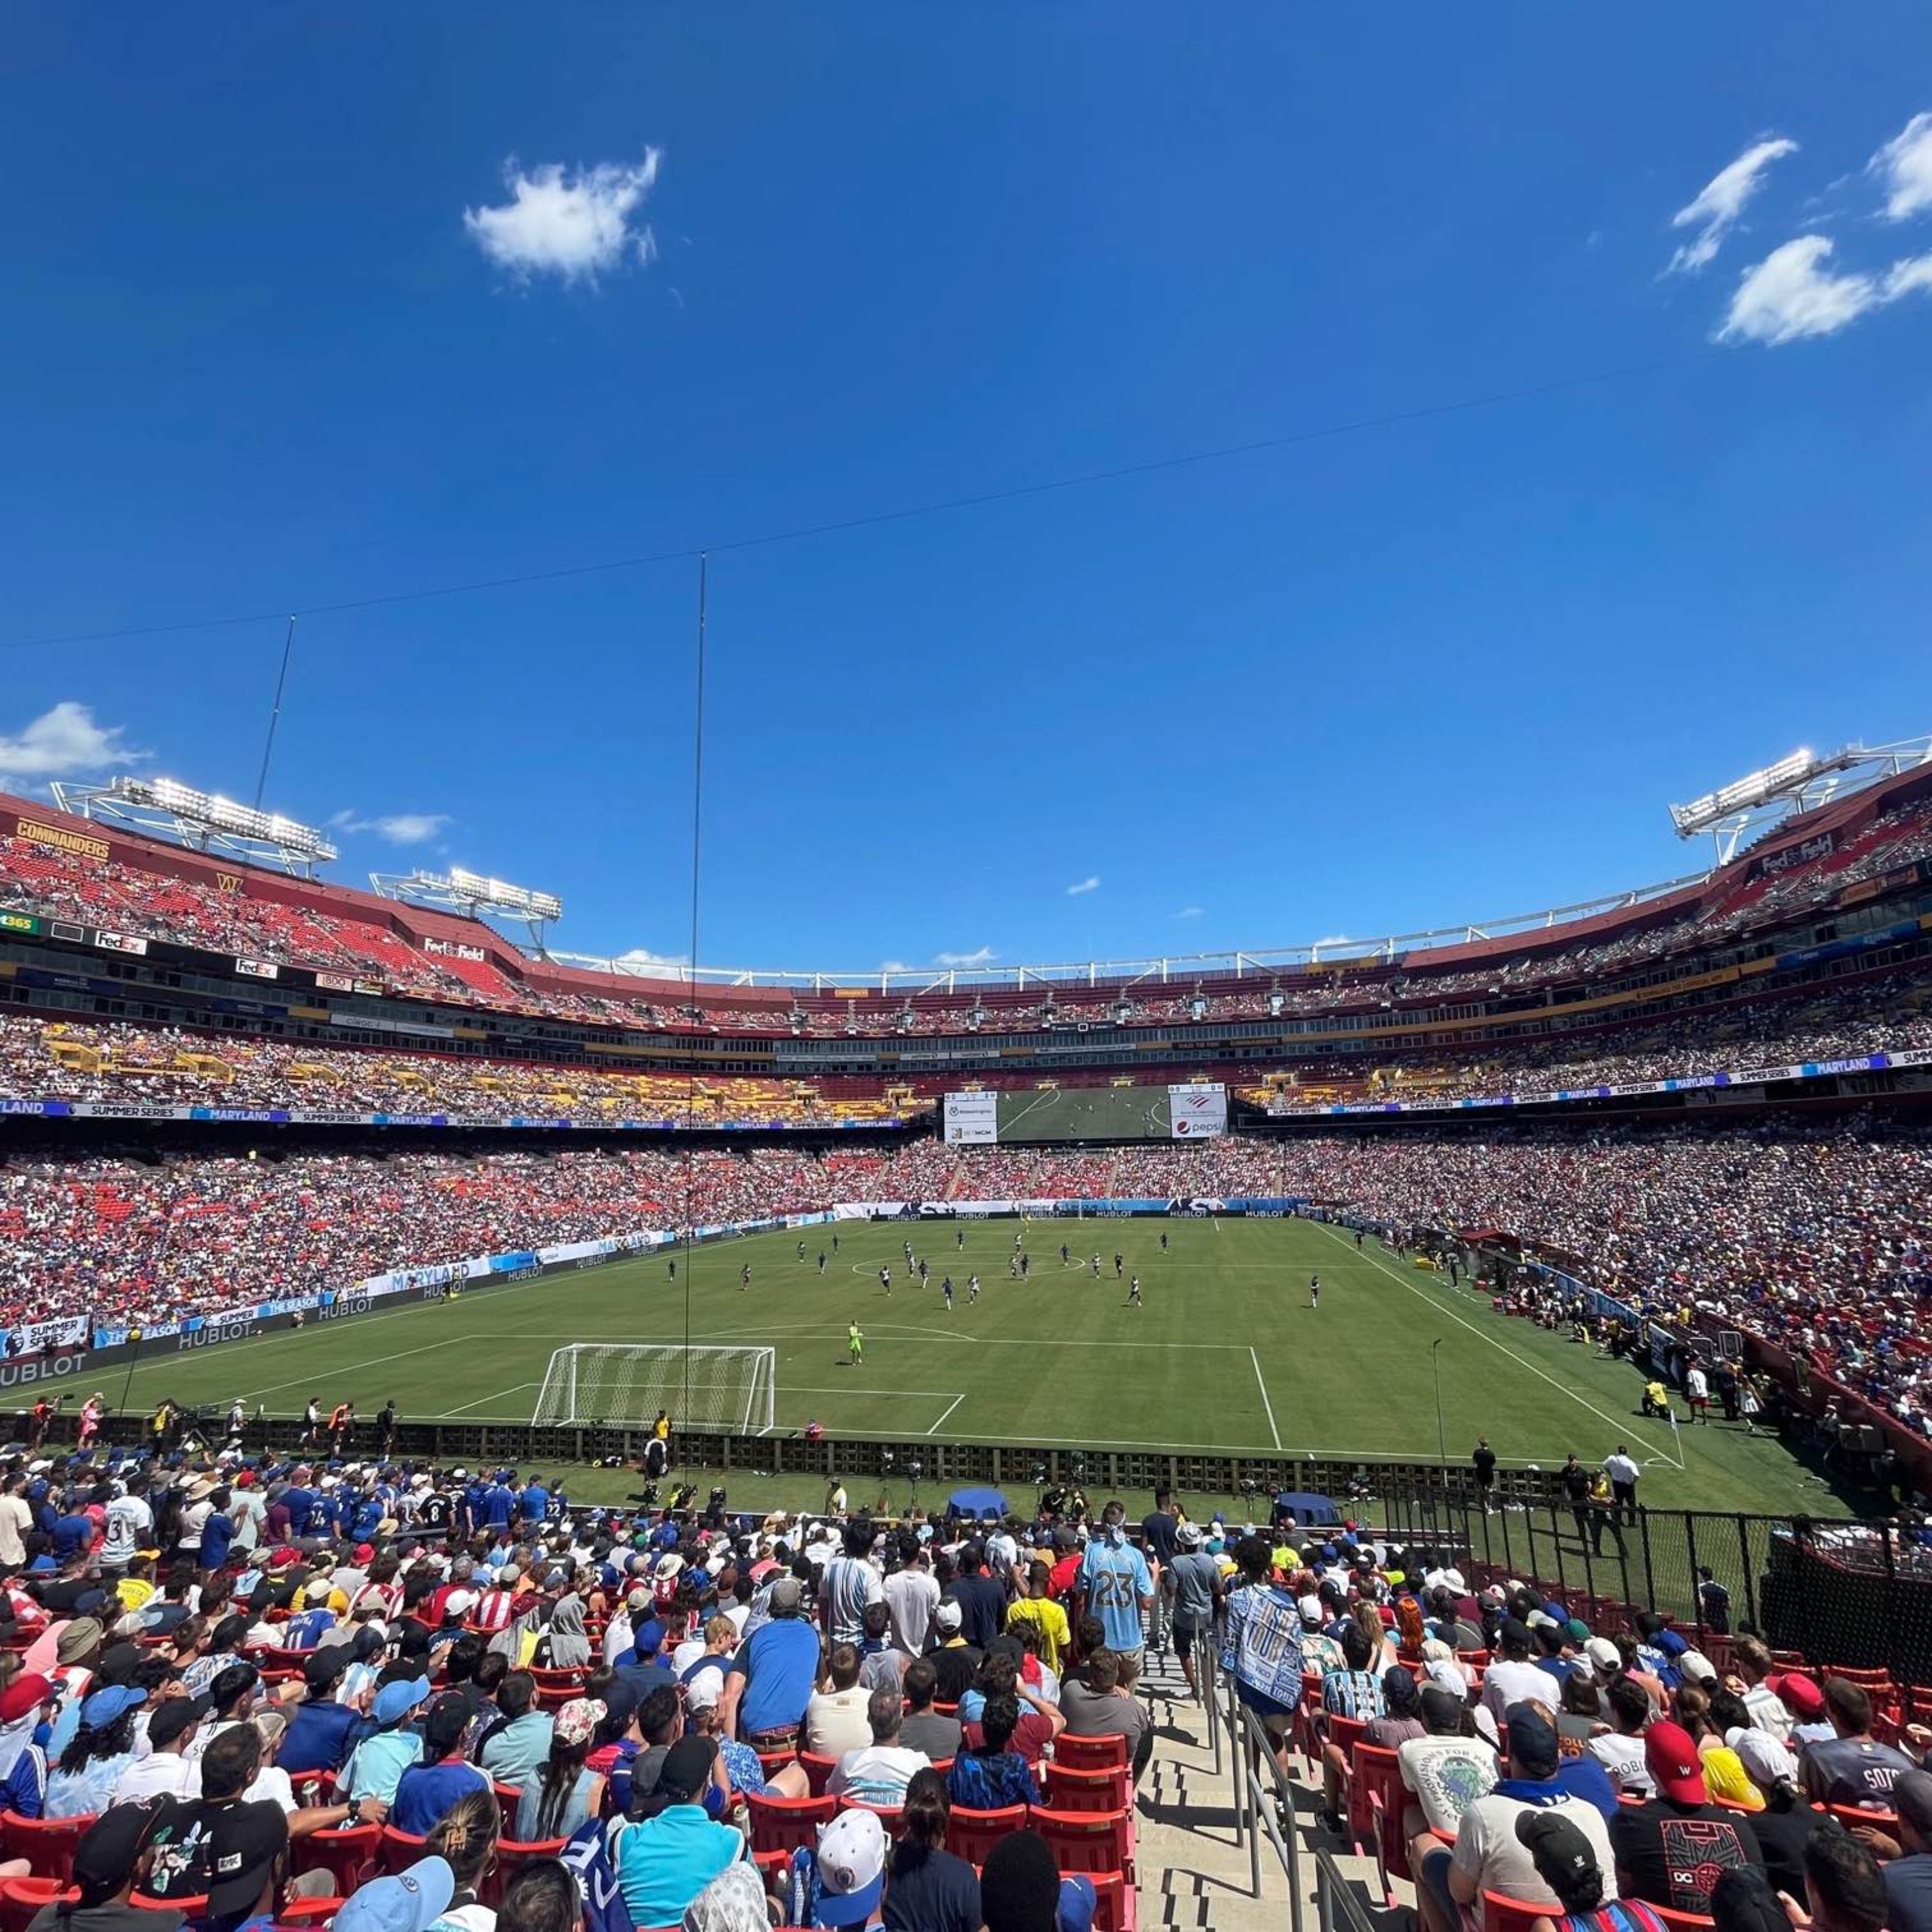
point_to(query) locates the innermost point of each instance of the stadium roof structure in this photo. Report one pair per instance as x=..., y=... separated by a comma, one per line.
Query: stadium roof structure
x=1797, y=784
x=200, y=821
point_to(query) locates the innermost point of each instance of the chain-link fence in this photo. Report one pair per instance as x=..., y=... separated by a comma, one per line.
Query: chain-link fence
x=1840, y=1592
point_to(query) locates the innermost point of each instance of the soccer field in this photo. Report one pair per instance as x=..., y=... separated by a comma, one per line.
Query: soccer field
x=1226, y=1355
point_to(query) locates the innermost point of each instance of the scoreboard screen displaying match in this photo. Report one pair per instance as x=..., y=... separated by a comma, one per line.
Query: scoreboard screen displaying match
x=1194, y=1110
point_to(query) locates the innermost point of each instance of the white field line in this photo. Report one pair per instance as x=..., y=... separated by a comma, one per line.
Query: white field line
x=465, y=1408
x=1620, y=1423
x=950, y=1408
x=1265, y=1403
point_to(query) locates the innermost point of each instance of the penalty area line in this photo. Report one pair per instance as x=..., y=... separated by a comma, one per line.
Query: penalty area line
x=950, y=1408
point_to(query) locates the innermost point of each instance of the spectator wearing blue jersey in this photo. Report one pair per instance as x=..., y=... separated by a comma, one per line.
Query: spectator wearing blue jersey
x=1262, y=1648
x=1116, y=1582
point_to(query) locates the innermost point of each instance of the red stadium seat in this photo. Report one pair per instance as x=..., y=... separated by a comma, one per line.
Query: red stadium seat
x=971, y=1835
x=400, y=1849
x=510, y=1858
x=1068, y=1790
x=310, y=1912
x=818, y=1768
x=784, y=1824
x=21, y=1899
x=1509, y=1914
x=1375, y=1802
x=1089, y=1753
x=47, y=1844
x=348, y=1854
x=1085, y=1841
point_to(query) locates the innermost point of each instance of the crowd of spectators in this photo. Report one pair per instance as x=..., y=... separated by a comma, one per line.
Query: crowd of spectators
x=36, y=878
x=239, y=1680
x=71, y=1059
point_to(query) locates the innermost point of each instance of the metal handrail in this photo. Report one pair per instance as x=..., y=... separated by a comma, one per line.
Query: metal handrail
x=1255, y=1804
x=1339, y=1905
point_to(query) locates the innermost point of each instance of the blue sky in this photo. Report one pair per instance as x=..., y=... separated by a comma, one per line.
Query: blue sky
x=298, y=310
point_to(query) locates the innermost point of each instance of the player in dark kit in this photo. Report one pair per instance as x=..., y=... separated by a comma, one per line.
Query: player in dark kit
x=1315, y=1291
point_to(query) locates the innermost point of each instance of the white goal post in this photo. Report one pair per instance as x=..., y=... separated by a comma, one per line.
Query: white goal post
x=624, y=1384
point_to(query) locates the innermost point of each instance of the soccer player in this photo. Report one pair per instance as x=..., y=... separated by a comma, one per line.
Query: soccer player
x=1163, y=1240
x=835, y=1242
x=1026, y=1266
x=801, y=1251
x=1063, y=1256
x=1697, y=1392
x=1315, y=1291
x=1096, y=1265
x=1013, y=1266
x=821, y=1260
x=744, y=1277
x=924, y=1272
x=1017, y=1238
x=673, y=1268
x=1134, y=1293
x=886, y=1281
x=1117, y=1264
x=972, y=1287
x=855, y=1340
x=958, y=1237
x=946, y=1289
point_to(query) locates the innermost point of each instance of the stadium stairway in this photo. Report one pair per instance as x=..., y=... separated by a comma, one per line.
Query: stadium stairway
x=1193, y=1872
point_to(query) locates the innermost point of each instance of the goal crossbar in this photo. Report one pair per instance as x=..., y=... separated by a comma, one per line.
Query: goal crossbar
x=626, y=1384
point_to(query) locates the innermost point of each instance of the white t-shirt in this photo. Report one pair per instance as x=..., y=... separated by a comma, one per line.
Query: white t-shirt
x=1505, y=1683
x=160, y=1774
x=1623, y=1758
x=1620, y=1469
x=129, y=1519
x=878, y=1774
x=1488, y=1850
x=15, y=1516
x=1696, y=1386
x=1447, y=1775
x=835, y=1721
x=1767, y=1712
x=911, y=1596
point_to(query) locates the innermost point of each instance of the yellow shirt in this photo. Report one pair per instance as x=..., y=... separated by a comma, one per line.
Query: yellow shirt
x=1050, y=1620
x=1725, y=1779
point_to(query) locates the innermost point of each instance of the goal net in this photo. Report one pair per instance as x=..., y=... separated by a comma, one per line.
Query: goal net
x=624, y=1384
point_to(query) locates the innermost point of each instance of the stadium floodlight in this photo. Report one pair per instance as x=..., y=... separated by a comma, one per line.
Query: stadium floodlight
x=200, y=820
x=460, y=891
x=1743, y=794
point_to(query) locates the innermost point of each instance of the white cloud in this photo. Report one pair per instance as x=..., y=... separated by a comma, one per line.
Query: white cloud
x=1905, y=162
x=1720, y=202
x=1091, y=883
x=574, y=224
x=1188, y=912
x=1791, y=294
x=399, y=828
x=984, y=957
x=642, y=955
x=64, y=743
x=1336, y=939
x=896, y=966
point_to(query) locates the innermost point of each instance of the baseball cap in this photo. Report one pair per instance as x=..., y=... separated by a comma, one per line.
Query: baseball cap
x=1766, y=1760
x=110, y=1706
x=230, y=1681
x=1561, y=1852
x=1800, y=1696
x=1078, y=1902
x=174, y=1716
x=1441, y=1706
x=1604, y=1654
x=787, y=1597
x=1673, y=1758
x=105, y=1858
x=26, y=1692
x=395, y=1701
x=576, y=1722
x=703, y=1691
x=1189, y=1536
x=851, y=1866
x=321, y=1669
x=948, y=1616
x=1694, y=1667
x=1532, y=1743
x=412, y=1898
x=244, y=1845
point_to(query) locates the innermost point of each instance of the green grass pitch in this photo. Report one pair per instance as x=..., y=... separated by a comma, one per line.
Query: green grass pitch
x=1225, y=1354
